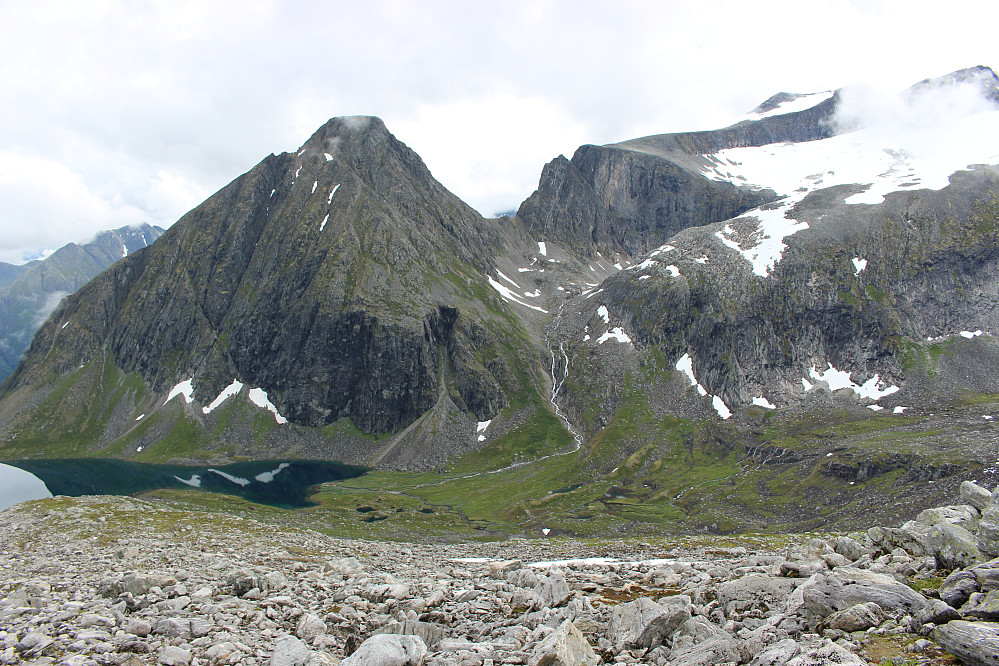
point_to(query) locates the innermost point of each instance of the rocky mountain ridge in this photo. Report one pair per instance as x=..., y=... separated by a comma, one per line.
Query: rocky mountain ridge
x=29, y=292
x=660, y=309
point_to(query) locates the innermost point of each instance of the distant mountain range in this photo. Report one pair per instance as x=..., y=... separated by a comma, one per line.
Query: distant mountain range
x=788, y=321
x=30, y=292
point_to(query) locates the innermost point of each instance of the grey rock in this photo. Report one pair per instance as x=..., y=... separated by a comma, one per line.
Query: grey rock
x=551, y=591
x=958, y=586
x=983, y=606
x=430, y=633
x=777, y=654
x=848, y=547
x=824, y=594
x=935, y=612
x=643, y=624
x=953, y=546
x=503, y=568
x=754, y=593
x=174, y=656
x=828, y=653
x=964, y=515
x=138, y=584
x=524, y=578
x=988, y=528
x=290, y=651
x=974, y=643
x=566, y=646
x=858, y=617
x=309, y=626
x=975, y=495
x=987, y=575
x=140, y=628
x=718, y=649
x=388, y=650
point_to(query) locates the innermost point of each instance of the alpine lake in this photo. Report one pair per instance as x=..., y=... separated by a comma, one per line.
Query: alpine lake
x=281, y=483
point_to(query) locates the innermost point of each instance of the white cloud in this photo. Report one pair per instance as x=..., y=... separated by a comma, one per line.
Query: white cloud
x=148, y=106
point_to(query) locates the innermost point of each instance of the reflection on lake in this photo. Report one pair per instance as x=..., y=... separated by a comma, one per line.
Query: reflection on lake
x=278, y=483
x=16, y=485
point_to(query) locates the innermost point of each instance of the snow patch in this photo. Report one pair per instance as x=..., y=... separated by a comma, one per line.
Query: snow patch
x=238, y=480
x=859, y=265
x=616, y=333
x=760, y=401
x=329, y=158
x=325, y=220
x=644, y=277
x=673, y=271
x=542, y=248
x=899, y=410
x=315, y=184
x=258, y=397
x=509, y=295
x=720, y=407
x=229, y=391
x=140, y=417
x=480, y=428
x=603, y=314
x=765, y=246
x=875, y=408
x=807, y=385
x=65, y=324
x=504, y=276
x=194, y=481
x=702, y=260
x=332, y=192
x=970, y=335
x=267, y=477
x=184, y=388
x=840, y=379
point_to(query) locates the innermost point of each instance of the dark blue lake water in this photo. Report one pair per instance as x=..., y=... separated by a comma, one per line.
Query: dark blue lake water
x=282, y=483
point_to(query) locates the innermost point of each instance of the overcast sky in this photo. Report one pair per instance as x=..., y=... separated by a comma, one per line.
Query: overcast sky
x=115, y=112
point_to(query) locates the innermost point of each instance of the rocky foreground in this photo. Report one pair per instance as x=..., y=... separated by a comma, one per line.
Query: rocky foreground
x=125, y=581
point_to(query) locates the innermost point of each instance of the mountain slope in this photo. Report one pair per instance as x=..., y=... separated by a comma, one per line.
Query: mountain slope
x=342, y=283
x=29, y=293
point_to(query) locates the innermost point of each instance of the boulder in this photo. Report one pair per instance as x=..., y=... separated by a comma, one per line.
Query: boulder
x=138, y=584
x=566, y=646
x=826, y=593
x=958, y=586
x=754, y=594
x=174, y=656
x=828, y=653
x=551, y=591
x=974, y=643
x=975, y=495
x=388, y=650
x=848, y=547
x=777, y=654
x=501, y=569
x=309, y=626
x=290, y=651
x=964, y=515
x=987, y=574
x=430, y=633
x=982, y=606
x=643, y=624
x=988, y=528
x=953, y=546
x=858, y=617
x=935, y=612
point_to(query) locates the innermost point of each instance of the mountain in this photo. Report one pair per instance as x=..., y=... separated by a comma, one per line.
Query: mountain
x=786, y=323
x=29, y=292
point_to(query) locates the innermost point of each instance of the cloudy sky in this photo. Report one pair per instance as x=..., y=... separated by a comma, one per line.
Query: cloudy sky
x=115, y=112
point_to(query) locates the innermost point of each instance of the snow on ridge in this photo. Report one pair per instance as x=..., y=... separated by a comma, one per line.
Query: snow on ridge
x=258, y=397
x=184, y=388
x=923, y=157
x=799, y=102
x=232, y=389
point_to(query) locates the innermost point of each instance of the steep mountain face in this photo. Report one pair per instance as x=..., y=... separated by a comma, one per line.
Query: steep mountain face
x=29, y=293
x=339, y=281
